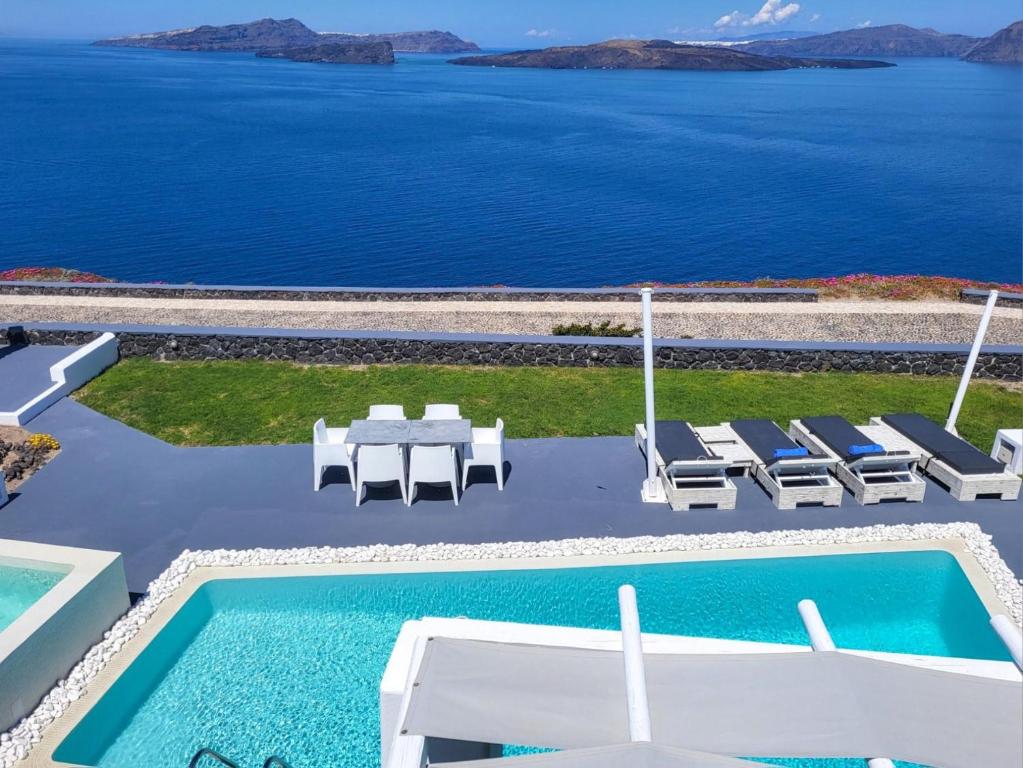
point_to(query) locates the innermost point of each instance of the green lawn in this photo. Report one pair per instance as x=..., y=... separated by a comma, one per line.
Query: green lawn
x=254, y=402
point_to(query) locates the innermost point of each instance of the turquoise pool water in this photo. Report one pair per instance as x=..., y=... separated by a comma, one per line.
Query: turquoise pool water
x=20, y=588
x=291, y=666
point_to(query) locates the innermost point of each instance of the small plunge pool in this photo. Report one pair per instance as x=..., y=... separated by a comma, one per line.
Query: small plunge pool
x=21, y=587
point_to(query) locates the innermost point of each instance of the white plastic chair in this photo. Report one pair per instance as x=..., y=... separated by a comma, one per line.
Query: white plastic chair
x=441, y=412
x=331, y=450
x=486, y=450
x=386, y=413
x=433, y=464
x=383, y=464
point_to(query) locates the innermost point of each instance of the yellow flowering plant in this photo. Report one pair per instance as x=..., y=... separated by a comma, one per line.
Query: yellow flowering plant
x=44, y=441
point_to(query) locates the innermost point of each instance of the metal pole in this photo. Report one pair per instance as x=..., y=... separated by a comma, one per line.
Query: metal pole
x=652, y=490
x=820, y=640
x=1010, y=635
x=971, y=362
x=635, y=674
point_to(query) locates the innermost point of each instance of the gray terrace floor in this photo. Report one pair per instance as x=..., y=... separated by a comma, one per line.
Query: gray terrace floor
x=25, y=372
x=115, y=488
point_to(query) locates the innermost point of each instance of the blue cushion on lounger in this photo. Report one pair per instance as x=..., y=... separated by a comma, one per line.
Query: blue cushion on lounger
x=787, y=453
x=863, y=450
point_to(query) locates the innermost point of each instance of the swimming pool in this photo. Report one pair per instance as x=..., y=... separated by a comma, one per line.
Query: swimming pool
x=291, y=666
x=21, y=587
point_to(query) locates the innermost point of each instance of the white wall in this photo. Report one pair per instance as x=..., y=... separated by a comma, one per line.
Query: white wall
x=42, y=645
x=75, y=370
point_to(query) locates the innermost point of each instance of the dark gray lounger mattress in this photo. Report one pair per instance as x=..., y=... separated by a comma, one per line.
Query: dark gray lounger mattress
x=764, y=437
x=954, y=451
x=676, y=441
x=840, y=436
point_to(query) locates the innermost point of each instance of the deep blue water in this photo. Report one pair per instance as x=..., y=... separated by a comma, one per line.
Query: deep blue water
x=147, y=165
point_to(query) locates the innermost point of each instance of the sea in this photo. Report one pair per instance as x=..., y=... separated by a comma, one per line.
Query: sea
x=226, y=168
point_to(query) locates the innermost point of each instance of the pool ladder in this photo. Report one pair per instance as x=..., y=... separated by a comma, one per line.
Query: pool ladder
x=271, y=762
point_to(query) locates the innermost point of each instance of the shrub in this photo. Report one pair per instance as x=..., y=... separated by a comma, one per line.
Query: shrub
x=601, y=329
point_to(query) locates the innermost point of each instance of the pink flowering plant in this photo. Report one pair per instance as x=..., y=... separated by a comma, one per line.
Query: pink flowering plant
x=50, y=275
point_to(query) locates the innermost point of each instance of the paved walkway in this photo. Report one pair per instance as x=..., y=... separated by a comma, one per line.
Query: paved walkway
x=25, y=372
x=883, y=321
x=115, y=488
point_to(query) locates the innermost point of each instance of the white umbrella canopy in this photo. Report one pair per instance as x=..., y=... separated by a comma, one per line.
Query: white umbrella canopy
x=799, y=704
x=635, y=755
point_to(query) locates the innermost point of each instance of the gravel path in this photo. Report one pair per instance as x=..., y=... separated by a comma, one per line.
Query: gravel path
x=939, y=322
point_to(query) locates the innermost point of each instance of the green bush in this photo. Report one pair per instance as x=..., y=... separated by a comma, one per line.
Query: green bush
x=602, y=329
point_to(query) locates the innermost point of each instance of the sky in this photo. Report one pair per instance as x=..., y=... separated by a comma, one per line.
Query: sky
x=509, y=23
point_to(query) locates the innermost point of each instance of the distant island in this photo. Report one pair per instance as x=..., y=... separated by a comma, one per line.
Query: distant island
x=891, y=40
x=1003, y=47
x=290, y=38
x=335, y=53
x=657, y=54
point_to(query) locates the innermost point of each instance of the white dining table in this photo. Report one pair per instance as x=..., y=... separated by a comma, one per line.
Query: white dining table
x=409, y=432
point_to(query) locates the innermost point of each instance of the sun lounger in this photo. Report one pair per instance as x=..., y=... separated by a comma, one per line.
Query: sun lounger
x=966, y=471
x=789, y=472
x=871, y=472
x=692, y=475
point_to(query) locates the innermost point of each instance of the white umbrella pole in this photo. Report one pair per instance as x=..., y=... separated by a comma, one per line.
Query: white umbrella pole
x=635, y=673
x=816, y=629
x=652, y=493
x=820, y=640
x=971, y=362
x=1010, y=635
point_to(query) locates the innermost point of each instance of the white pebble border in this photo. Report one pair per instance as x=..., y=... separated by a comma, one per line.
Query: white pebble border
x=16, y=744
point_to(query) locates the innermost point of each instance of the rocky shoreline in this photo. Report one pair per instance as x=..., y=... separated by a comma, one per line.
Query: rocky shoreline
x=860, y=286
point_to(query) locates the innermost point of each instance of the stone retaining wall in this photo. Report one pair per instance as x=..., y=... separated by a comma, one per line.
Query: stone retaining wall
x=348, y=348
x=160, y=291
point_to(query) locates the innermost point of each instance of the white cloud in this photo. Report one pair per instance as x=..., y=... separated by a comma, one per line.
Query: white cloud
x=540, y=32
x=864, y=24
x=733, y=19
x=772, y=12
x=815, y=18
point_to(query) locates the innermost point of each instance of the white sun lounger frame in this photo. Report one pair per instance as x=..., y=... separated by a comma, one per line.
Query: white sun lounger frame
x=1004, y=485
x=794, y=481
x=872, y=479
x=702, y=482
